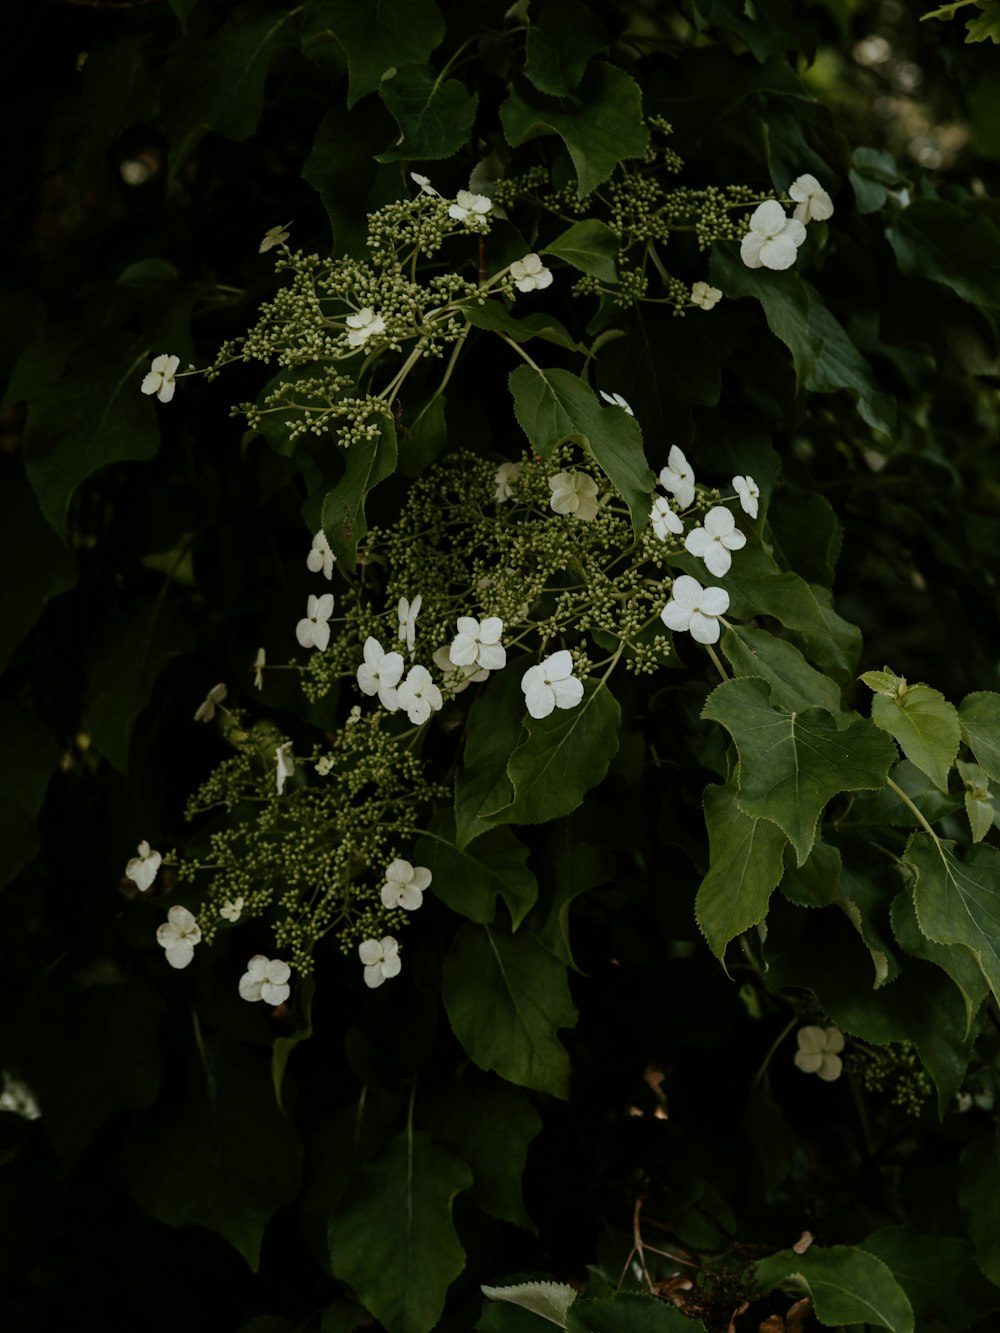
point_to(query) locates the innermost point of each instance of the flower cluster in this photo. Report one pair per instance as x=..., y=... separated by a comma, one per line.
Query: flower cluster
x=774, y=238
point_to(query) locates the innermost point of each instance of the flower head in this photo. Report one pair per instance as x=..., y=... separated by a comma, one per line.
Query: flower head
x=425, y=186
x=705, y=296
x=574, y=493
x=232, y=909
x=716, y=540
x=362, y=326
x=178, y=935
x=749, y=492
x=419, y=696
x=17, y=1098
x=469, y=207
x=773, y=239
x=616, y=400
x=407, y=613
x=479, y=643
x=506, y=473
x=819, y=1052
x=259, y=662
x=404, y=885
x=678, y=477
x=379, y=673
x=141, y=870
x=206, y=709
x=694, y=608
x=664, y=520
x=813, y=204
x=457, y=678
x=551, y=684
x=530, y=274
x=321, y=557
x=284, y=765
x=274, y=236
x=266, y=979
x=159, y=379
x=313, y=631
x=381, y=960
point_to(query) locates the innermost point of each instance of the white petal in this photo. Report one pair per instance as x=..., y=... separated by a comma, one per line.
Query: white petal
x=559, y=666
x=714, y=601
x=568, y=693
x=676, y=617
x=492, y=656
x=779, y=253
x=687, y=592
x=704, y=629
x=750, y=250
x=370, y=952
x=540, y=699
x=274, y=994
x=698, y=542
x=181, y=953
x=717, y=560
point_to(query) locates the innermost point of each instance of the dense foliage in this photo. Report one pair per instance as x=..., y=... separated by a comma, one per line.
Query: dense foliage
x=501, y=801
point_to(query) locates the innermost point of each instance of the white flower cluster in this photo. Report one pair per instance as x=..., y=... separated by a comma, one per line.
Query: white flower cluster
x=774, y=239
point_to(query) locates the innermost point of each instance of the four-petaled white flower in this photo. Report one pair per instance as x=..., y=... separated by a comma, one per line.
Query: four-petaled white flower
x=206, y=709
x=425, y=186
x=18, y=1099
x=678, y=477
x=574, y=493
x=232, y=909
x=178, y=935
x=479, y=643
x=819, y=1052
x=714, y=542
x=813, y=204
x=530, y=274
x=749, y=492
x=694, y=608
x=159, y=379
x=705, y=296
x=259, y=663
x=469, y=207
x=364, y=325
x=266, y=979
x=457, y=678
x=506, y=473
x=141, y=870
x=321, y=557
x=379, y=673
x=381, y=960
x=664, y=520
x=284, y=765
x=773, y=239
x=313, y=631
x=407, y=613
x=418, y=696
x=551, y=684
x=616, y=400
x=404, y=885
x=274, y=236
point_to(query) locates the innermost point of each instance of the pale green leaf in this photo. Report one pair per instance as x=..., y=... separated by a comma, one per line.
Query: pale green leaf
x=591, y=246
x=434, y=116
x=847, y=1286
x=924, y=723
x=551, y=1300
x=979, y=715
x=958, y=901
x=985, y=27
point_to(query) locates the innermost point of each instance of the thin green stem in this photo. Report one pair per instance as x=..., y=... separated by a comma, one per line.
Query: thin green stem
x=909, y=804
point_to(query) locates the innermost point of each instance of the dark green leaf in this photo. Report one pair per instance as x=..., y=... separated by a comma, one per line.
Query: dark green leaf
x=45, y=567
x=571, y=867
x=885, y=807
x=369, y=461
x=628, y=1313
x=496, y=721
x=284, y=1046
x=794, y=684
x=381, y=35
x=949, y=244
x=434, y=117
x=497, y=318
x=28, y=757
x=560, y=44
x=342, y=168
x=938, y=1274
x=979, y=1195
x=979, y=715
x=847, y=1286
x=958, y=900
x=590, y=246
x=469, y=883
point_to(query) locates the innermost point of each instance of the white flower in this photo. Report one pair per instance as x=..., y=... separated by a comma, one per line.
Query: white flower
x=773, y=240
x=616, y=400
x=469, y=207
x=530, y=274
x=819, y=1052
x=692, y=607
x=749, y=492
x=419, y=696
x=479, y=643
x=178, y=935
x=425, y=186
x=364, y=325
x=404, y=885
x=141, y=870
x=313, y=631
x=551, y=684
x=664, y=520
x=160, y=377
x=272, y=237
x=457, y=678
x=506, y=473
x=714, y=542
x=407, y=612
x=232, y=910
x=678, y=477
x=321, y=557
x=379, y=673
x=206, y=709
x=381, y=960
x=705, y=296
x=813, y=204
x=266, y=979
x=284, y=765
x=355, y=714
x=259, y=662
x=574, y=493
x=18, y=1099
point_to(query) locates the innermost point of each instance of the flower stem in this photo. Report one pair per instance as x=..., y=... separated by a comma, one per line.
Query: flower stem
x=907, y=802
x=715, y=658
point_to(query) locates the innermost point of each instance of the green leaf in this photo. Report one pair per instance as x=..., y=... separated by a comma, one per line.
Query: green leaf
x=794, y=684
x=283, y=1047
x=493, y=731
x=628, y=1313
x=956, y=960
x=978, y=800
x=745, y=865
x=560, y=44
x=951, y=245
x=847, y=1286
x=393, y=1239
x=926, y=726
x=792, y=763
x=45, y=568
x=885, y=807
x=506, y=996
x=504, y=1317
x=600, y=127
x=342, y=516
x=380, y=35
x=495, y=317
x=873, y=173
x=986, y=26
x=570, y=867
x=806, y=533
x=470, y=883
x=938, y=1274
x=979, y=1195
x=958, y=901
x=434, y=117
x=979, y=715
x=28, y=758
x=148, y=275
x=342, y=168
x=549, y=1300
x=590, y=246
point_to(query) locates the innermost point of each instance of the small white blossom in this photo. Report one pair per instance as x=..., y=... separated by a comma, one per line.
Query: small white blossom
x=749, y=492
x=574, y=493
x=313, y=631
x=404, y=885
x=274, y=236
x=716, y=540
x=407, y=613
x=178, y=935
x=664, y=520
x=678, y=477
x=141, y=870
x=232, y=909
x=616, y=400
x=705, y=296
x=159, y=378
x=773, y=239
x=266, y=979
x=506, y=473
x=457, y=678
x=381, y=960
x=379, y=673
x=355, y=714
x=17, y=1098
x=813, y=204
x=819, y=1052
x=259, y=662
x=479, y=643
x=694, y=608
x=530, y=274
x=418, y=696
x=364, y=325
x=425, y=186
x=206, y=709
x=551, y=684
x=284, y=765
x=321, y=557
x=469, y=207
